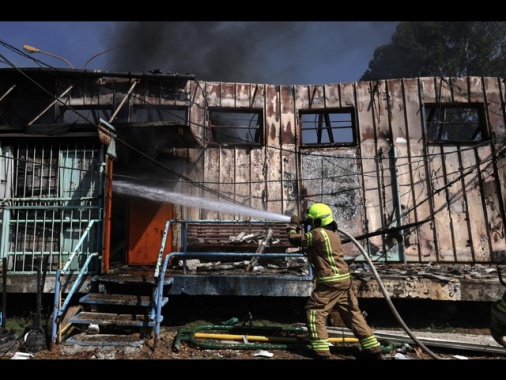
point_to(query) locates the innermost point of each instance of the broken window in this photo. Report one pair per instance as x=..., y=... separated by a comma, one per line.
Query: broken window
x=236, y=127
x=156, y=113
x=328, y=126
x=84, y=115
x=455, y=123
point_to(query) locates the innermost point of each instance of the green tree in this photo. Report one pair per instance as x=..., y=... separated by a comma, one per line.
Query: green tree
x=441, y=48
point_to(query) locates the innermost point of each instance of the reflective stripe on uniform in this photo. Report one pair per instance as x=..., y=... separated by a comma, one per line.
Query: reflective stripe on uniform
x=370, y=342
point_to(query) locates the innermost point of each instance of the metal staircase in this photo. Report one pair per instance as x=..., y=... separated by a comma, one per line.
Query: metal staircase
x=124, y=309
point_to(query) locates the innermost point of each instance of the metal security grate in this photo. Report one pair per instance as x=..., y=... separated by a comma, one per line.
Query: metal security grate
x=56, y=188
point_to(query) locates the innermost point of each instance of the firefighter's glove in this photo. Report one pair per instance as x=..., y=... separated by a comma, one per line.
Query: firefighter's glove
x=498, y=321
x=292, y=228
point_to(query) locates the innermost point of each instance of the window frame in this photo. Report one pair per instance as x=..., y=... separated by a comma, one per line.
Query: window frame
x=325, y=117
x=214, y=129
x=479, y=128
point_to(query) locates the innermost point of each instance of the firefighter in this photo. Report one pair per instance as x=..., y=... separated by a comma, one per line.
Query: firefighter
x=333, y=284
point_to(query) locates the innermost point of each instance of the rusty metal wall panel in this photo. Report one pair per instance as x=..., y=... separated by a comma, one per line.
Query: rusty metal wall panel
x=494, y=102
x=288, y=120
x=455, y=174
x=272, y=193
x=348, y=94
x=290, y=198
x=402, y=180
x=422, y=203
x=227, y=94
x=273, y=166
x=371, y=191
x=257, y=92
x=443, y=91
x=475, y=209
x=211, y=161
x=460, y=89
x=272, y=116
x=495, y=196
x=227, y=177
x=309, y=97
x=197, y=115
x=242, y=177
x=375, y=149
x=316, y=96
x=289, y=132
x=258, y=178
x=244, y=93
x=490, y=193
x=438, y=90
x=213, y=94
x=195, y=170
x=439, y=195
x=332, y=96
x=428, y=89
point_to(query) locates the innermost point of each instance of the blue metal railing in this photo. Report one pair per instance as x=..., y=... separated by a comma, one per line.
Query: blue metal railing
x=185, y=254
x=59, y=310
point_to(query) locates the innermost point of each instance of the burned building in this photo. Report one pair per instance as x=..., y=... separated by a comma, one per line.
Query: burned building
x=101, y=170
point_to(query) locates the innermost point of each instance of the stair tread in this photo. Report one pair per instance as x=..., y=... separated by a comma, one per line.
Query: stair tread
x=112, y=319
x=120, y=299
x=131, y=278
x=104, y=340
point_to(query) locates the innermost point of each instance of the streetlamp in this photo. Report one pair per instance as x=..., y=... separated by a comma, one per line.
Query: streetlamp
x=31, y=50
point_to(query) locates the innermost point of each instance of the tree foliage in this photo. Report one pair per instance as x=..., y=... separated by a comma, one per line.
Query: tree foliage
x=441, y=48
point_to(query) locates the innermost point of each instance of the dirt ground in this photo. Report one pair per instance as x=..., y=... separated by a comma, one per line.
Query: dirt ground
x=171, y=346
x=174, y=342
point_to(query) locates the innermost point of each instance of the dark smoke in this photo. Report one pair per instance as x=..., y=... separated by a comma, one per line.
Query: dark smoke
x=210, y=50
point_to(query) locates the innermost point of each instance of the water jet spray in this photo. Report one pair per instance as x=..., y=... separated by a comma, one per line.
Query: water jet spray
x=162, y=195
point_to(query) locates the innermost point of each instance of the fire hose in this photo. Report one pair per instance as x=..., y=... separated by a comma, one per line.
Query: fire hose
x=273, y=340
x=387, y=298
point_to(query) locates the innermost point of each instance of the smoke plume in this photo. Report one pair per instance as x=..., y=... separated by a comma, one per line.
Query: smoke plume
x=211, y=50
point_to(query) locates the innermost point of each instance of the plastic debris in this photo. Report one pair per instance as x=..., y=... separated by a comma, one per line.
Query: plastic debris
x=263, y=353
x=22, y=356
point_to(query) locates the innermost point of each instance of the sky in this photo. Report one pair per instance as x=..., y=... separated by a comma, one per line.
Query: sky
x=281, y=52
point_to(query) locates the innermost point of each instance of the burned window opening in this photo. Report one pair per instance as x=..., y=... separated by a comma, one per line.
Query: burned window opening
x=328, y=126
x=84, y=115
x=154, y=113
x=451, y=123
x=236, y=127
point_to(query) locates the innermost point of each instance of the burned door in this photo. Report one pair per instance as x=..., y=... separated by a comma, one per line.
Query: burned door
x=146, y=226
